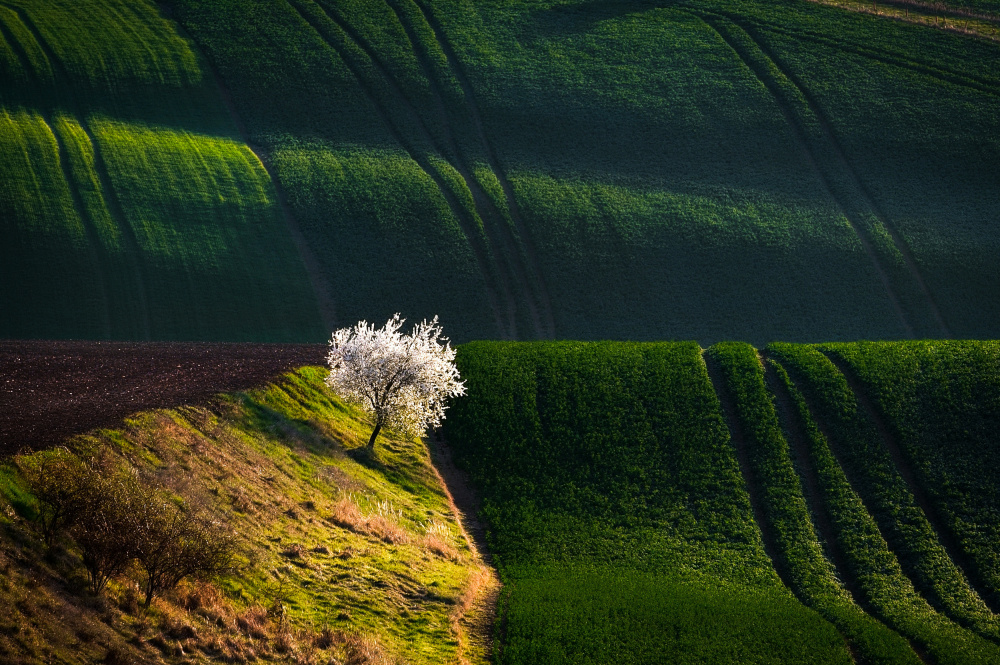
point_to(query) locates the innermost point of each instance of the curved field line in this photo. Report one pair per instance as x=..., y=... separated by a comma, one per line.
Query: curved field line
x=901, y=245
x=321, y=286
x=862, y=598
x=754, y=491
x=545, y=300
x=117, y=212
x=536, y=297
x=795, y=435
x=495, y=288
x=484, y=207
x=111, y=199
x=801, y=135
x=979, y=83
x=93, y=242
x=944, y=535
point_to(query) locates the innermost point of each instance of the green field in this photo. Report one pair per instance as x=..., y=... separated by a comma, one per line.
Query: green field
x=653, y=502
x=715, y=170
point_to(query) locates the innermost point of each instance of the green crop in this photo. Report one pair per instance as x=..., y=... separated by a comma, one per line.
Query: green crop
x=800, y=555
x=863, y=508
x=618, y=516
x=939, y=400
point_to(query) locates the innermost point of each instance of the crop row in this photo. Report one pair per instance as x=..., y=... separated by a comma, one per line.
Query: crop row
x=614, y=496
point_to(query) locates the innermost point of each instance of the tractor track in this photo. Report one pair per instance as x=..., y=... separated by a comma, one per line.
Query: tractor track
x=110, y=197
x=868, y=199
x=496, y=290
x=94, y=245
x=856, y=188
x=906, y=472
x=472, y=104
x=864, y=601
x=498, y=230
x=754, y=491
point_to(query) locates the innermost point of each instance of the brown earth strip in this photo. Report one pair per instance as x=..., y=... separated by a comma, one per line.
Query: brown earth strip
x=902, y=464
x=50, y=390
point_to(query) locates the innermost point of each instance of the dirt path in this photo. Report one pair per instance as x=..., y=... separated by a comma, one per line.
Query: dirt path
x=475, y=623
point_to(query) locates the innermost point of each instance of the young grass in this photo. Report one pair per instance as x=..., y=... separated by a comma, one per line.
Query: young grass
x=308, y=589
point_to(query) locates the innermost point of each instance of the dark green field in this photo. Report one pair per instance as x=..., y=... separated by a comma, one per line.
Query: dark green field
x=714, y=170
x=653, y=503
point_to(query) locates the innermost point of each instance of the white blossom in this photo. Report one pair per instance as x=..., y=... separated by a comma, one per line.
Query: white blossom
x=401, y=380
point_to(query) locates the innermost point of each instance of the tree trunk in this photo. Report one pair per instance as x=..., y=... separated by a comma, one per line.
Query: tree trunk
x=371, y=441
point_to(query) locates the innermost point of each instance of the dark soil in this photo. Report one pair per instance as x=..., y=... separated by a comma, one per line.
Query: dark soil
x=50, y=390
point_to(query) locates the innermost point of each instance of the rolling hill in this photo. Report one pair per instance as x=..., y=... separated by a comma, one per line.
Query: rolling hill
x=654, y=502
x=264, y=171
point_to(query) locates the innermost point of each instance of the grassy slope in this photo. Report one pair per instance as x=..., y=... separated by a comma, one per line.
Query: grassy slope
x=366, y=547
x=731, y=184
x=618, y=513
x=615, y=496
x=131, y=209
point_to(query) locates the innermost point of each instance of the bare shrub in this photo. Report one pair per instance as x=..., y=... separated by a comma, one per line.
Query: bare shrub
x=56, y=477
x=103, y=525
x=174, y=543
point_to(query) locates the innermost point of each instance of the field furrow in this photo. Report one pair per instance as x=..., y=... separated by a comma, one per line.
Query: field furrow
x=502, y=245
x=906, y=473
x=795, y=547
x=937, y=403
x=524, y=238
x=869, y=530
x=968, y=79
x=858, y=183
x=893, y=261
x=498, y=293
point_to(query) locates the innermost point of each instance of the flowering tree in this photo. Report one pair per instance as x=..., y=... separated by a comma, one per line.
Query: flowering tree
x=402, y=380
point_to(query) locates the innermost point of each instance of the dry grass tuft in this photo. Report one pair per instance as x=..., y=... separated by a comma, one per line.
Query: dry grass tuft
x=252, y=622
